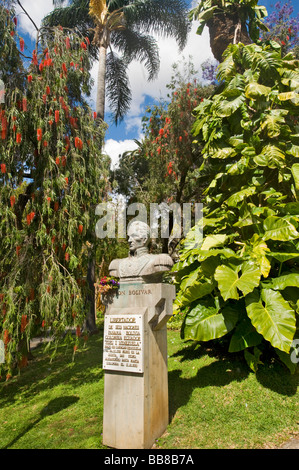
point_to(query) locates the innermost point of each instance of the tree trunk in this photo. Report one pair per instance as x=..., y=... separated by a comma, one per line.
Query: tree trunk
x=226, y=29
x=90, y=321
x=100, y=104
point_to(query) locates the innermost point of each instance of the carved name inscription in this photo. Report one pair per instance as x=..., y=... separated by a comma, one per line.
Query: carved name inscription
x=123, y=343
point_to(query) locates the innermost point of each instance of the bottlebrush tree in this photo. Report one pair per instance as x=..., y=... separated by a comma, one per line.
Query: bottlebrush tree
x=52, y=175
x=162, y=168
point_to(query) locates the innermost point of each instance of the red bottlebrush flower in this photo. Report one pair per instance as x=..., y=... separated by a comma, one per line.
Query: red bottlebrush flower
x=3, y=168
x=78, y=331
x=24, y=104
x=3, y=134
x=80, y=229
x=66, y=180
x=41, y=66
x=67, y=42
x=12, y=200
x=49, y=199
x=45, y=143
x=180, y=138
x=12, y=33
x=29, y=78
x=288, y=38
x=57, y=160
x=39, y=134
x=43, y=322
x=22, y=44
x=63, y=247
x=83, y=45
x=159, y=150
x=34, y=58
x=56, y=116
x=72, y=64
x=6, y=337
x=94, y=115
x=23, y=323
x=48, y=90
x=87, y=40
x=161, y=131
x=64, y=68
x=67, y=256
x=44, y=98
x=30, y=217
x=15, y=20
x=63, y=160
x=56, y=206
x=283, y=43
x=78, y=143
x=51, y=122
x=18, y=249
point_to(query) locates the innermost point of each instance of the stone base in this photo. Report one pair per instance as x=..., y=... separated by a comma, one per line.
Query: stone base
x=136, y=404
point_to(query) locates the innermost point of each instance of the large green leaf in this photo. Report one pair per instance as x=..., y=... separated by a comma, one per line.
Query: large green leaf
x=295, y=173
x=211, y=241
x=270, y=156
x=245, y=336
x=255, y=90
x=236, y=198
x=193, y=287
x=205, y=322
x=277, y=228
x=229, y=281
x=283, y=256
x=281, y=282
x=272, y=317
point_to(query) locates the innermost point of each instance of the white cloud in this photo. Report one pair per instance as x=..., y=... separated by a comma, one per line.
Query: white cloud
x=37, y=10
x=115, y=148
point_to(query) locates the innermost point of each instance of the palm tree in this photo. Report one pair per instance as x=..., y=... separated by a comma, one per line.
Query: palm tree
x=119, y=32
x=229, y=22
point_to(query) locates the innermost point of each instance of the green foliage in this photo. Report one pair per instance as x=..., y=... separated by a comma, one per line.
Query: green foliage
x=247, y=10
x=242, y=279
x=162, y=168
x=52, y=176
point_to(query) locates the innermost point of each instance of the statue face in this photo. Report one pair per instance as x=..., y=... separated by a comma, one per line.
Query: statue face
x=136, y=238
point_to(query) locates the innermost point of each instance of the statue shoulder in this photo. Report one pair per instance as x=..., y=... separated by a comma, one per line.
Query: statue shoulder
x=114, y=267
x=163, y=259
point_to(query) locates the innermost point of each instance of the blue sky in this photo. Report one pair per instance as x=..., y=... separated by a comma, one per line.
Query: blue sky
x=121, y=138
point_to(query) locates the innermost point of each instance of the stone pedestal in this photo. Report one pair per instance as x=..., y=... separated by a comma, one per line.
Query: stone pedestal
x=135, y=365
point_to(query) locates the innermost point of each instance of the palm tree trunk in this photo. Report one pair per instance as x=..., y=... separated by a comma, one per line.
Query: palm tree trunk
x=90, y=322
x=100, y=104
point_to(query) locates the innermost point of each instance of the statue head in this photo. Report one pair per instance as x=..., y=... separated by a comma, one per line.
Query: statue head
x=138, y=235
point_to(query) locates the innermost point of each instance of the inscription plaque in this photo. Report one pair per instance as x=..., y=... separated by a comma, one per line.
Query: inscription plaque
x=123, y=343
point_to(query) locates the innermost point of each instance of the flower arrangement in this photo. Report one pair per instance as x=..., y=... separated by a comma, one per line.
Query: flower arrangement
x=107, y=284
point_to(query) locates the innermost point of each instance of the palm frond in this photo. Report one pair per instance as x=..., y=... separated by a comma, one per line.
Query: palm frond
x=140, y=47
x=118, y=89
x=165, y=17
x=71, y=16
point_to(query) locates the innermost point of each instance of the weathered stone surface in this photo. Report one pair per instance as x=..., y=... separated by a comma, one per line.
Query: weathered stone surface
x=136, y=378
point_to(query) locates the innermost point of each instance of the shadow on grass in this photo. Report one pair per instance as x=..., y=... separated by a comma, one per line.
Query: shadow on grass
x=53, y=407
x=43, y=373
x=275, y=376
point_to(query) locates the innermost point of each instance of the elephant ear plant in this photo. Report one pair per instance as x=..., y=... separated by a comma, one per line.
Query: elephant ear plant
x=242, y=278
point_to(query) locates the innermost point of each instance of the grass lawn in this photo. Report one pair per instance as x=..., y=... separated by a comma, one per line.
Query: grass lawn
x=214, y=402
